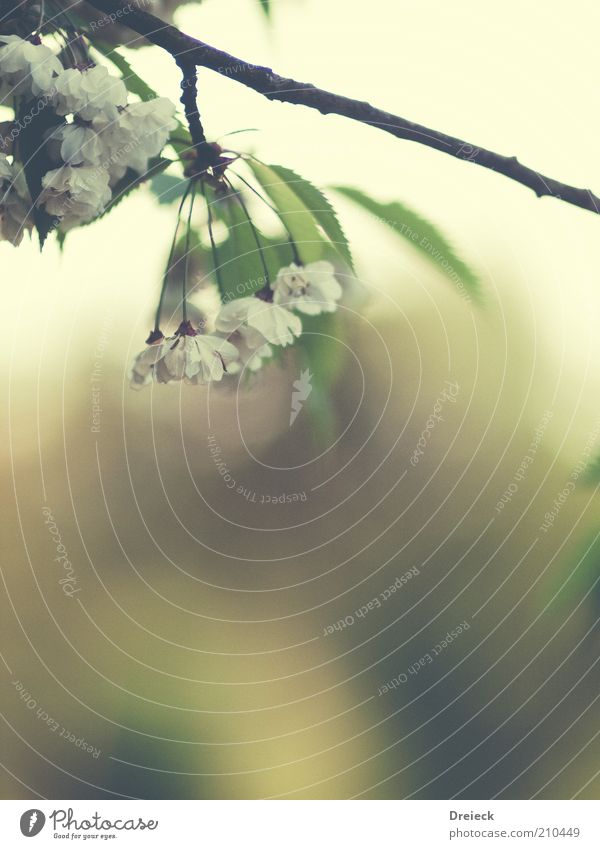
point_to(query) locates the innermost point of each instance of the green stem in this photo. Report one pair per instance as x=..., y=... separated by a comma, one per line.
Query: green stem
x=254, y=232
x=168, y=266
x=187, y=251
x=293, y=246
x=213, y=247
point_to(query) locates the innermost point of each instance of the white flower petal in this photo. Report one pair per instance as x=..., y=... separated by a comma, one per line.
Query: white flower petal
x=276, y=324
x=311, y=289
x=75, y=194
x=196, y=359
x=26, y=68
x=89, y=93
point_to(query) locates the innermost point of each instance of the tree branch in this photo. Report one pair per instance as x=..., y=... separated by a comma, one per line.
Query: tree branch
x=189, y=50
x=205, y=155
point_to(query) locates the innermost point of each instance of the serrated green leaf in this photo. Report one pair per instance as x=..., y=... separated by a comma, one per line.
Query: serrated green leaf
x=299, y=220
x=295, y=196
x=422, y=234
x=316, y=202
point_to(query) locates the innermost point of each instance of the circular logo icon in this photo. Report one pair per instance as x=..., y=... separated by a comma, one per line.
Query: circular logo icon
x=32, y=822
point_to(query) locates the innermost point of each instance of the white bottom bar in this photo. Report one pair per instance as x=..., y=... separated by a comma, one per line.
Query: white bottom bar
x=302, y=824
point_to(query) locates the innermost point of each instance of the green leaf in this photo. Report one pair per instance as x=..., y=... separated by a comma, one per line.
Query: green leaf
x=241, y=270
x=266, y=7
x=423, y=235
x=298, y=219
x=316, y=202
x=323, y=356
x=132, y=180
x=592, y=473
x=305, y=210
x=578, y=576
x=167, y=187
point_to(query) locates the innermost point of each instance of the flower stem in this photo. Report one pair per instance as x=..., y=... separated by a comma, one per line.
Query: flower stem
x=41, y=18
x=292, y=243
x=238, y=197
x=213, y=247
x=187, y=252
x=168, y=266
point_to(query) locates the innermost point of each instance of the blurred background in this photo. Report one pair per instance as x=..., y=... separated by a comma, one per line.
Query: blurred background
x=166, y=636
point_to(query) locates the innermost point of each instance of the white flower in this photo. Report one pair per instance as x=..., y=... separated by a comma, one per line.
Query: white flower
x=278, y=325
x=15, y=203
x=311, y=289
x=188, y=355
x=6, y=172
x=89, y=93
x=76, y=195
x=139, y=134
x=252, y=348
x=151, y=120
x=26, y=68
x=76, y=144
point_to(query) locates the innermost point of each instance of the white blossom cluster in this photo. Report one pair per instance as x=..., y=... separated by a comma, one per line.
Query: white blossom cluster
x=246, y=329
x=98, y=136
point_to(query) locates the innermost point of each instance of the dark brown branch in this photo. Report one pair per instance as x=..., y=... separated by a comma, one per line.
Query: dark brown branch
x=206, y=156
x=190, y=50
